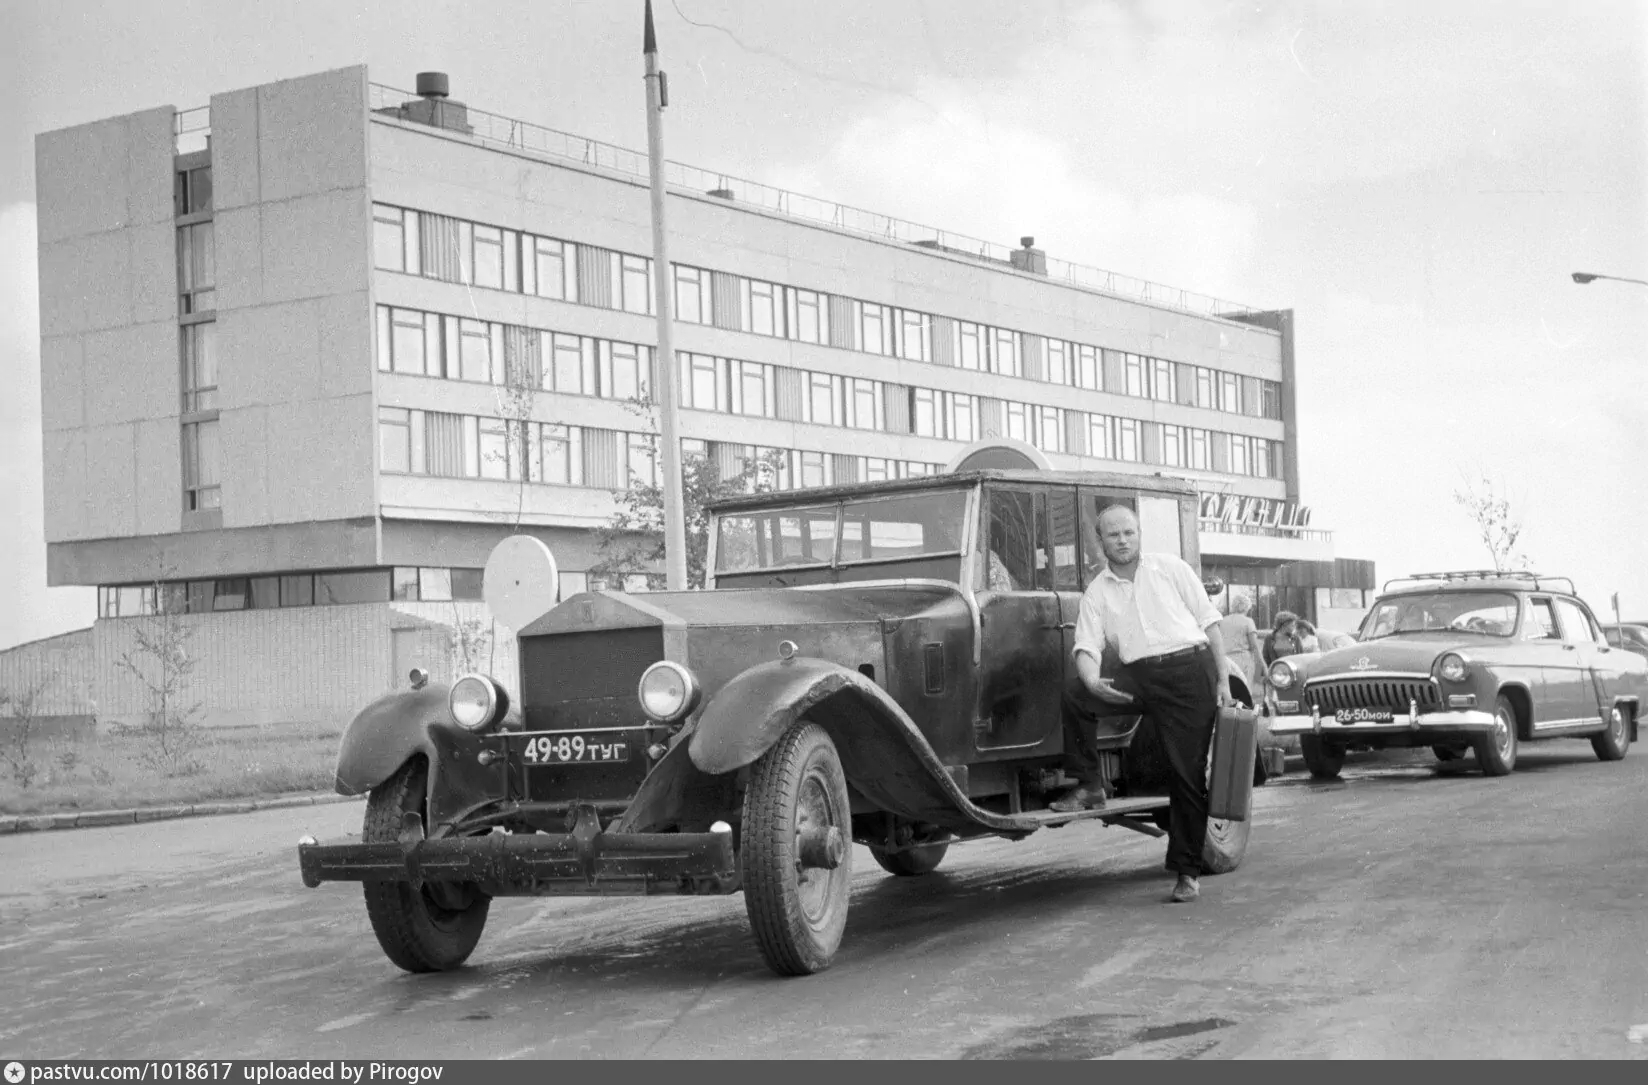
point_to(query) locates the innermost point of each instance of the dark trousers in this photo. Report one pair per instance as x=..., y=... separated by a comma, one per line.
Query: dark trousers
x=1180, y=696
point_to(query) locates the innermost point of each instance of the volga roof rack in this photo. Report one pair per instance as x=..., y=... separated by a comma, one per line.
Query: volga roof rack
x=1536, y=581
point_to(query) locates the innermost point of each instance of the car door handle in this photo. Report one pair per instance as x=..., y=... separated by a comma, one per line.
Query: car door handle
x=1569, y=647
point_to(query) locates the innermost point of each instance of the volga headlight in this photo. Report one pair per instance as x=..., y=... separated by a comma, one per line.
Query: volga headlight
x=476, y=702
x=1281, y=674
x=668, y=691
x=1452, y=667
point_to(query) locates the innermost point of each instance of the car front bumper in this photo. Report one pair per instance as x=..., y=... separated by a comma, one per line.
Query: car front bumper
x=1463, y=721
x=579, y=863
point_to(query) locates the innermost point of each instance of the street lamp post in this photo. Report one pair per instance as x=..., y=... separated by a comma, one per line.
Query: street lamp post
x=1583, y=277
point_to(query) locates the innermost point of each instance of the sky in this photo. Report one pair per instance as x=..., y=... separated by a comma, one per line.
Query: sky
x=1416, y=181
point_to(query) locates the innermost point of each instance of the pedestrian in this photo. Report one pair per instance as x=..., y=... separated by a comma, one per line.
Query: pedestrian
x=1308, y=641
x=1152, y=610
x=1283, y=639
x=1242, y=638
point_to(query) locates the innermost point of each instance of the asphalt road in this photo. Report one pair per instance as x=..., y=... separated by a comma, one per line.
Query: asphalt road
x=1408, y=911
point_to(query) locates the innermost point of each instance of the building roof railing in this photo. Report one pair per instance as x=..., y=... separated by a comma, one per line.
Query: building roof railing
x=536, y=139
x=191, y=128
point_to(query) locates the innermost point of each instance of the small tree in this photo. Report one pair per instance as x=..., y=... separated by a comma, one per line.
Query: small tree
x=19, y=716
x=1497, y=523
x=160, y=662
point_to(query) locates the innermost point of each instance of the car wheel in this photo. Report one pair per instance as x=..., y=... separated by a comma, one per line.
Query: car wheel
x=912, y=861
x=797, y=851
x=1496, y=750
x=434, y=926
x=1446, y=753
x=1322, y=758
x=1612, y=743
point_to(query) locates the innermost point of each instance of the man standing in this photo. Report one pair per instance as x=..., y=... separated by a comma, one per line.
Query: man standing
x=1153, y=610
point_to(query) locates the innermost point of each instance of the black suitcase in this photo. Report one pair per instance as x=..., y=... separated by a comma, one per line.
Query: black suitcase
x=1230, y=783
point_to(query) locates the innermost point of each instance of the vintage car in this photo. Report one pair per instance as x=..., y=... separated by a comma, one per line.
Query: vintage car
x=1463, y=661
x=883, y=663
x=1631, y=636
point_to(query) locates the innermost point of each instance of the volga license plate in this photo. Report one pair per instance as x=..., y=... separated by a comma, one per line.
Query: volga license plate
x=574, y=750
x=1363, y=715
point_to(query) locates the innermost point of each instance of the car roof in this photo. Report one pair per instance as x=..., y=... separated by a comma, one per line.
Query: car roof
x=1162, y=484
x=1478, y=580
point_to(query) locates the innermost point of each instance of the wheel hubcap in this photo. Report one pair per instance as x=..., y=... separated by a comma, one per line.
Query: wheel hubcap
x=1616, y=725
x=1504, y=736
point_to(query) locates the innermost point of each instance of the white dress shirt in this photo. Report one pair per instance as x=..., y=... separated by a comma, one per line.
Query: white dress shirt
x=1164, y=608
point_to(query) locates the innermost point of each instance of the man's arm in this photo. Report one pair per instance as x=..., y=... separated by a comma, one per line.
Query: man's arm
x=1216, y=642
x=1089, y=648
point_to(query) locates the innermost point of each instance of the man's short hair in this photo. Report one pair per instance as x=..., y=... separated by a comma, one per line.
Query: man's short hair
x=1108, y=509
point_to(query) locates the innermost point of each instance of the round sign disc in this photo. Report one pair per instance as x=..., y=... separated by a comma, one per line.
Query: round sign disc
x=520, y=582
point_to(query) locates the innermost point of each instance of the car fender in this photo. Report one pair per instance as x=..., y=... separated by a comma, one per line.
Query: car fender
x=883, y=754
x=398, y=726
x=1630, y=702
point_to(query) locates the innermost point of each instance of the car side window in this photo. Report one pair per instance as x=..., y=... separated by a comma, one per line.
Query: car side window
x=1541, y=621
x=1015, y=540
x=1061, y=514
x=1577, y=627
x=1093, y=502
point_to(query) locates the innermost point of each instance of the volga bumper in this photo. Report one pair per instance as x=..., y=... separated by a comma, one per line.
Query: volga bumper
x=527, y=864
x=1467, y=720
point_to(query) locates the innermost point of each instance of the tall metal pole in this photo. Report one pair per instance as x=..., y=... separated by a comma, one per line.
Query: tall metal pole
x=668, y=372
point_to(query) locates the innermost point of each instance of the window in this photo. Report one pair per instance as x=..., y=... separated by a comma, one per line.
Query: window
x=199, y=367
x=924, y=412
x=689, y=295
x=1015, y=539
x=1206, y=394
x=633, y=285
x=489, y=257
x=1049, y=429
x=1101, y=436
x=807, y=324
x=559, y=457
x=466, y=584
x=413, y=342
x=700, y=383
x=752, y=390
x=821, y=400
x=1163, y=386
x=1196, y=453
x=915, y=336
x=494, y=448
x=873, y=327
x=962, y=420
x=1239, y=451
x=1016, y=420
x=1087, y=367
x=474, y=350
x=200, y=467
x=1541, y=621
x=971, y=341
x=642, y=461
x=764, y=307
x=1172, y=446
x=1270, y=393
x=567, y=363
x=403, y=584
x=230, y=593
x=194, y=191
x=626, y=379
x=1127, y=440
x=1006, y=350
x=394, y=440
x=1230, y=393
x=1057, y=370
x=196, y=269
x=863, y=404
x=265, y=593
x=1134, y=374
x=363, y=587
x=297, y=591
x=1261, y=458
x=812, y=469
x=549, y=263
x=388, y=238
x=1577, y=626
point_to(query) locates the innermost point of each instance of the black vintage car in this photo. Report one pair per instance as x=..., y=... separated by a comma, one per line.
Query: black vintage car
x=883, y=663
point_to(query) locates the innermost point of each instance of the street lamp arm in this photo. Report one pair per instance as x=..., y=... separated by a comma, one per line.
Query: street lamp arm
x=1583, y=277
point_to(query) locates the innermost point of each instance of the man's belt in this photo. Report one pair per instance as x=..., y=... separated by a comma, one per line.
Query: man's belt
x=1182, y=653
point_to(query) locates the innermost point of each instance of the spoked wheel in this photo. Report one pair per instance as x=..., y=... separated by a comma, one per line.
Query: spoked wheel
x=435, y=926
x=797, y=851
x=1612, y=743
x=1496, y=750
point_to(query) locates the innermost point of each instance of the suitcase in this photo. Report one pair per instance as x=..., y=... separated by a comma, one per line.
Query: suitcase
x=1230, y=781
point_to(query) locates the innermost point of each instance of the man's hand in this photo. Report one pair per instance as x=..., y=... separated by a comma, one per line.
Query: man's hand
x=1222, y=693
x=1105, y=690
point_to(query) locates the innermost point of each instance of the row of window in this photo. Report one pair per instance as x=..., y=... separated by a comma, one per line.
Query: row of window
x=456, y=250
x=197, y=339
x=407, y=583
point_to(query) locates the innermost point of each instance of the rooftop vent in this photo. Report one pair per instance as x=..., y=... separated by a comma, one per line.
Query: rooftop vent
x=432, y=106
x=722, y=193
x=1030, y=258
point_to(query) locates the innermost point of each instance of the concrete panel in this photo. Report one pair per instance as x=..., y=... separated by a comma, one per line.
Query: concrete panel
x=312, y=134
x=243, y=433
x=224, y=552
x=151, y=149
x=153, y=267
x=493, y=501
x=64, y=457
x=346, y=361
x=467, y=546
x=85, y=283
x=238, y=236
x=268, y=354
x=159, y=476
x=109, y=486
x=104, y=175
x=235, y=181
x=62, y=383
x=317, y=245
x=132, y=372
x=325, y=452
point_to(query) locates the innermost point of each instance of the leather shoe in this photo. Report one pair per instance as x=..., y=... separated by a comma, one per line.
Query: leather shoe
x=1081, y=798
x=1186, y=890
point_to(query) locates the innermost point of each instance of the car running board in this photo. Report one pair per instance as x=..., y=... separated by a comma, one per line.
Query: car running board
x=1122, y=812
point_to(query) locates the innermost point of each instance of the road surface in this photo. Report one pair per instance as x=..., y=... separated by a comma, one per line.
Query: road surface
x=1410, y=910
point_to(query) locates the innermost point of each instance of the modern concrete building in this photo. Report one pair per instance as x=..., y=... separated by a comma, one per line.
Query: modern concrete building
x=309, y=353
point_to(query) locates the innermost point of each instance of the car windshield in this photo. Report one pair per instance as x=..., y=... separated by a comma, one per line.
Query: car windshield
x=1492, y=613
x=871, y=531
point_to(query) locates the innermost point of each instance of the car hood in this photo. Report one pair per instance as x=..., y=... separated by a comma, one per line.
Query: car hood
x=1407, y=653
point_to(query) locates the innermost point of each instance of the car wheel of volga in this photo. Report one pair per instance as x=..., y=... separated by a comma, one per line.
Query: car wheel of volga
x=430, y=928
x=1322, y=758
x=1612, y=743
x=911, y=862
x=797, y=851
x=1496, y=750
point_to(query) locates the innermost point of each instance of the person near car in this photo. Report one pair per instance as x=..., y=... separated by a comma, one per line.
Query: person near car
x=1242, y=638
x=1283, y=639
x=1152, y=610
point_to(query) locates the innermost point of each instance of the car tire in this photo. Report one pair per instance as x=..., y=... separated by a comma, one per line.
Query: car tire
x=1496, y=750
x=912, y=862
x=430, y=928
x=1611, y=744
x=797, y=915
x=1322, y=758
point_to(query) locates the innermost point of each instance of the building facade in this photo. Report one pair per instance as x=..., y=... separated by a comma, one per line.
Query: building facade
x=309, y=354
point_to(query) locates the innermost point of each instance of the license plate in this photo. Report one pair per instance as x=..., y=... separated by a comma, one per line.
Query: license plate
x=574, y=750
x=1363, y=715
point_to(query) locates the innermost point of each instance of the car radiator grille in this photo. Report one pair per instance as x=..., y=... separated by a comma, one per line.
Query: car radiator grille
x=1391, y=693
x=586, y=679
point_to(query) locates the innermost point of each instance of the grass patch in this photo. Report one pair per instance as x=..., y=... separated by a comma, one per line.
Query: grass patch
x=106, y=771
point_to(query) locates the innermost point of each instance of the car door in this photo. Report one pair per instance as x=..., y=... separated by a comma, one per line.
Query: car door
x=1581, y=640
x=1555, y=693
x=1021, y=664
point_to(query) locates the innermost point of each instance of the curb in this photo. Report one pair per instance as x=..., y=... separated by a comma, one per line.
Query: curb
x=91, y=819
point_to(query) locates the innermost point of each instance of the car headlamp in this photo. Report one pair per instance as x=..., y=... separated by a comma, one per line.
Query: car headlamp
x=476, y=702
x=1282, y=675
x=668, y=691
x=1452, y=667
